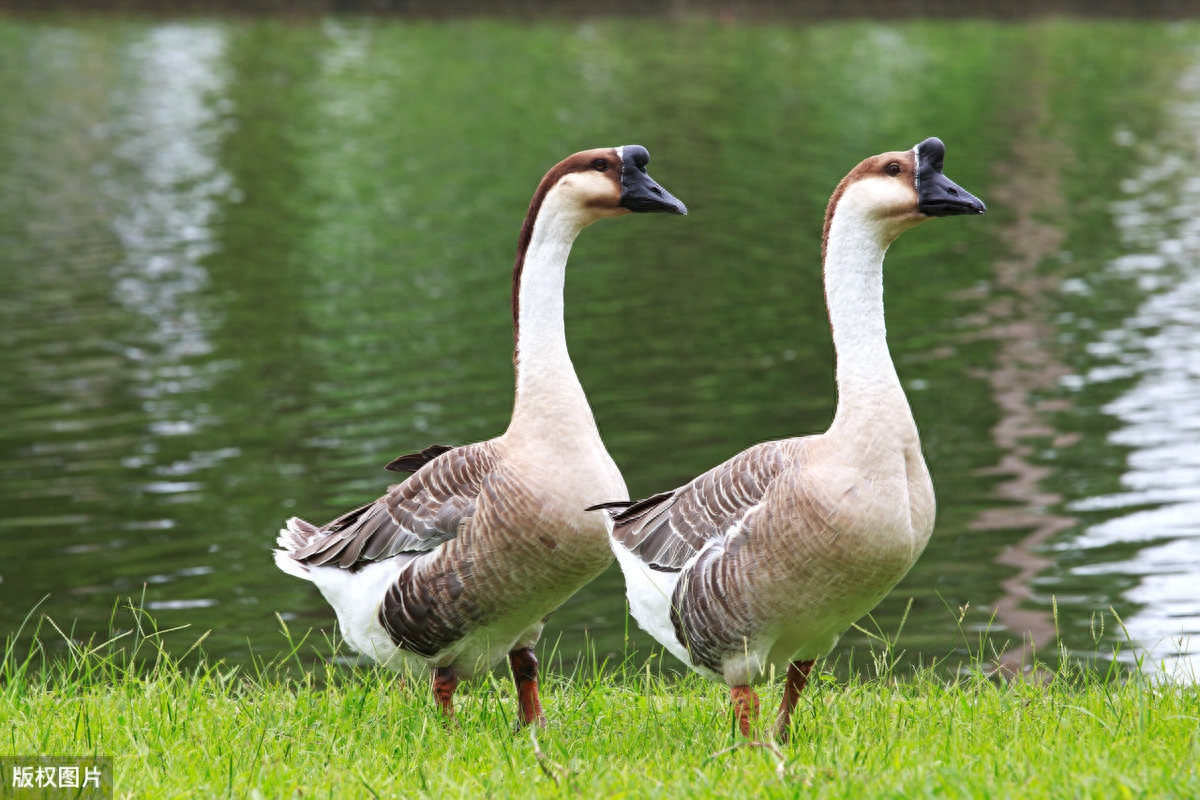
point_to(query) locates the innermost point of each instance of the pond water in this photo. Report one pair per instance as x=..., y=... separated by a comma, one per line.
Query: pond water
x=246, y=263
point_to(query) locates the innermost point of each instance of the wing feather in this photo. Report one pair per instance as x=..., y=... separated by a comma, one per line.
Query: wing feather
x=414, y=516
x=668, y=529
x=414, y=461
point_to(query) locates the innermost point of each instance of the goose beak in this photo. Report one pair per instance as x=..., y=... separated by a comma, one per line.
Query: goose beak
x=640, y=192
x=937, y=195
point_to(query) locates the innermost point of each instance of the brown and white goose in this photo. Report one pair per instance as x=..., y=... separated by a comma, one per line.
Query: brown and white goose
x=463, y=562
x=761, y=563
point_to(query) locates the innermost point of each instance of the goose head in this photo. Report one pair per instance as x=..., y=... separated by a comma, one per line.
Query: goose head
x=891, y=192
x=605, y=182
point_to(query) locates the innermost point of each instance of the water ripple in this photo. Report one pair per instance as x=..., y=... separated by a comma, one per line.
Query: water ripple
x=1158, y=347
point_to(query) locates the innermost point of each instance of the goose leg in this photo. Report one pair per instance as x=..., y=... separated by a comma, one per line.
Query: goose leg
x=525, y=671
x=797, y=679
x=745, y=706
x=445, y=681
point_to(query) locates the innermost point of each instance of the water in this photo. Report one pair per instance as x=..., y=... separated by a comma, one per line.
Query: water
x=246, y=263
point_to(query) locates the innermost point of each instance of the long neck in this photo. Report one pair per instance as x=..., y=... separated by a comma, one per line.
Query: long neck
x=868, y=386
x=549, y=399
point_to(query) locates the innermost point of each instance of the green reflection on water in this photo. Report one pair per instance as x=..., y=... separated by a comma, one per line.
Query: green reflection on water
x=247, y=263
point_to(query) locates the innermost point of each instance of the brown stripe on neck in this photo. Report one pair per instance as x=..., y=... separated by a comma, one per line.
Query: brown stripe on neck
x=829, y=211
x=575, y=163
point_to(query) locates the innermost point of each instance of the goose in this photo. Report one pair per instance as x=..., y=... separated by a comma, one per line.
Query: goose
x=462, y=562
x=759, y=565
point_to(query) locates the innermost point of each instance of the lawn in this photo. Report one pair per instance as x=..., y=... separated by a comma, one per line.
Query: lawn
x=188, y=727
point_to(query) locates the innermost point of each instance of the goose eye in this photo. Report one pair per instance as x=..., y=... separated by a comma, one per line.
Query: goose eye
x=893, y=169
x=600, y=165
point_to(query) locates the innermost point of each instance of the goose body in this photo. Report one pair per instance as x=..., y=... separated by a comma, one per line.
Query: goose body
x=761, y=563
x=462, y=562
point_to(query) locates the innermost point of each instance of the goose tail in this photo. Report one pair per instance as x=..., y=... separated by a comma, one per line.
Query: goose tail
x=610, y=510
x=297, y=535
x=624, y=512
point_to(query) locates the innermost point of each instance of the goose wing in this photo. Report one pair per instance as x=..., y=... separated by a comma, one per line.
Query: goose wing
x=414, y=516
x=668, y=529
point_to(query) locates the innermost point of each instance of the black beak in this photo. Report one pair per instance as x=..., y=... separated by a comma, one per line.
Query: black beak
x=640, y=192
x=937, y=195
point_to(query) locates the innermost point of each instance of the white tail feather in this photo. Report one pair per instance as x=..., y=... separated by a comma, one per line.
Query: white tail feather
x=290, y=540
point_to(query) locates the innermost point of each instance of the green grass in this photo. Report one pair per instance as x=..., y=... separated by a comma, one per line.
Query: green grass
x=286, y=730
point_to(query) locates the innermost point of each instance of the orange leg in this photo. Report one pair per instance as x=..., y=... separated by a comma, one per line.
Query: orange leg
x=525, y=671
x=797, y=679
x=745, y=707
x=445, y=681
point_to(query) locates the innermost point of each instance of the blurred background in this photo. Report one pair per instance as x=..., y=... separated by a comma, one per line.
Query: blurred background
x=251, y=252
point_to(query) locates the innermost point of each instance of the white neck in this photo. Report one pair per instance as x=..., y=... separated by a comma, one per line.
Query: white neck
x=549, y=400
x=866, y=377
